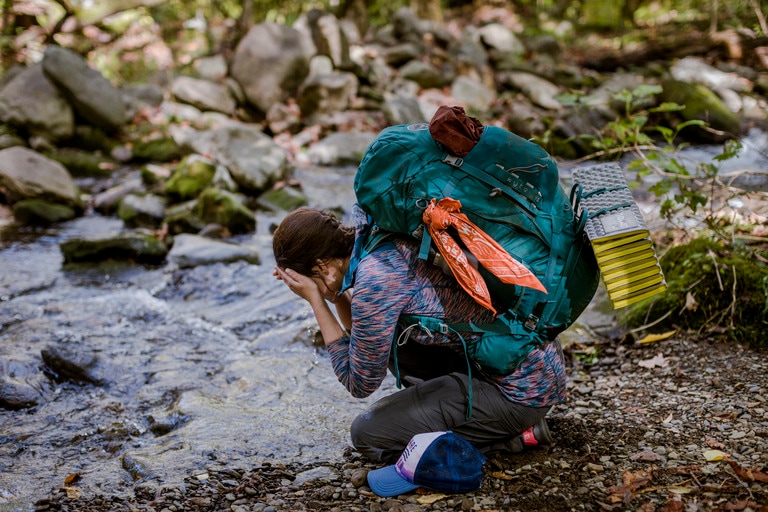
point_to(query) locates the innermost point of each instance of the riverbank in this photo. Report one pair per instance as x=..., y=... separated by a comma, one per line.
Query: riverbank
x=671, y=425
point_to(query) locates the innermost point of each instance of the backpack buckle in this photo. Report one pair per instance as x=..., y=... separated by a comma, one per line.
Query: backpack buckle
x=531, y=322
x=453, y=160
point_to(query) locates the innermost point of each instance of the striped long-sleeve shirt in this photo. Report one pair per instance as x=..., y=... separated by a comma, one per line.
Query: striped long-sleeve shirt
x=392, y=281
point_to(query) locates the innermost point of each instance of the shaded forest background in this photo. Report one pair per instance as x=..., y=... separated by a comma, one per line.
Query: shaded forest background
x=29, y=25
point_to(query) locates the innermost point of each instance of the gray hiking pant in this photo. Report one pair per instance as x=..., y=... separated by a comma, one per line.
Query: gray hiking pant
x=439, y=403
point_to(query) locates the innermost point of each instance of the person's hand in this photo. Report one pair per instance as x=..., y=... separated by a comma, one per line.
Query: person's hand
x=303, y=286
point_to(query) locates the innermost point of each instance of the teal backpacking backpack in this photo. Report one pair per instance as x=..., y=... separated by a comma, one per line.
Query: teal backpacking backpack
x=510, y=189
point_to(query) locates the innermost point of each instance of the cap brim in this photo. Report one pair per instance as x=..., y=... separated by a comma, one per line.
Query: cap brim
x=386, y=482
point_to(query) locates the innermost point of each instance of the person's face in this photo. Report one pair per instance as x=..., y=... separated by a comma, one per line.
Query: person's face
x=329, y=276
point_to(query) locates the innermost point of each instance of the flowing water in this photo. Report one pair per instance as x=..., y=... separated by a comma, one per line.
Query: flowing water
x=213, y=366
x=209, y=367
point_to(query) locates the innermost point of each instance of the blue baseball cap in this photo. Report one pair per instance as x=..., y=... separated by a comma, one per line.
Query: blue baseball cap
x=440, y=461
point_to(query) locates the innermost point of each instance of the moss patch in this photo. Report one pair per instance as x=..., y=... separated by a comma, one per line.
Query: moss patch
x=715, y=291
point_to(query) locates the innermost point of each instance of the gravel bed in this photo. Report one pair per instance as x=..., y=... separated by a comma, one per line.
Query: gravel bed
x=669, y=426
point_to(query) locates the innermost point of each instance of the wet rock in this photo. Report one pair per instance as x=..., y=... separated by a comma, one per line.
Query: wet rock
x=160, y=149
x=181, y=218
x=31, y=101
x=147, y=210
x=138, y=246
x=192, y=250
x=138, y=469
x=15, y=395
x=82, y=163
x=252, y=158
x=40, y=212
x=283, y=199
x=26, y=174
x=193, y=174
x=70, y=364
x=91, y=94
x=216, y=206
x=108, y=200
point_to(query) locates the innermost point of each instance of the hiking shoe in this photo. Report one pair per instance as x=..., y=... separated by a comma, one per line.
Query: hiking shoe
x=533, y=436
x=537, y=434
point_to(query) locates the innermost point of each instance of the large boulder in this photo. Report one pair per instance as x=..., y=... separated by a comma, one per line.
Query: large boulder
x=327, y=35
x=31, y=102
x=91, y=94
x=703, y=105
x=26, y=174
x=252, y=158
x=270, y=63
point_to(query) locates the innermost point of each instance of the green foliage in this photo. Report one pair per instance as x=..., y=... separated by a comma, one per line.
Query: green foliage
x=716, y=285
x=715, y=289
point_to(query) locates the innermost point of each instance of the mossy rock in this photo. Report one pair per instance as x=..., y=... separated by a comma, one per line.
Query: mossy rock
x=137, y=246
x=161, y=149
x=82, y=163
x=182, y=218
x=703, y=105
x=284, y=199
x=147, y=210
x=215, y=206
x=191, y=177
x=40, y=212
x=729, y=287
x=92, y=138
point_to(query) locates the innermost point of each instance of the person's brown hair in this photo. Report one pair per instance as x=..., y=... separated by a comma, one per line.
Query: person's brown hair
x=308, y=234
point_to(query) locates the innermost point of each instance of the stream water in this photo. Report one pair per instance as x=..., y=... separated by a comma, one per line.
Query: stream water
x=209, y=367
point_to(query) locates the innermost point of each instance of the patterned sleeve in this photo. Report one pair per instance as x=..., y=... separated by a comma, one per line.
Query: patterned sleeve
x=383, y=288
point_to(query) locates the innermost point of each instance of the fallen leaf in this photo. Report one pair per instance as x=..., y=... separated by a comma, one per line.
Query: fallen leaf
x=668, y=419
x=631, y=483
x=681, y=489
x=72, y=478
x=73, y=493
x=748, y=475
x=740, y=505
x=714, y=443
x=500, y=475
x=658, y=360
x=713, y=455
x=646, y=456
x=674, y=504
x=651, y=338
x=429, y=499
